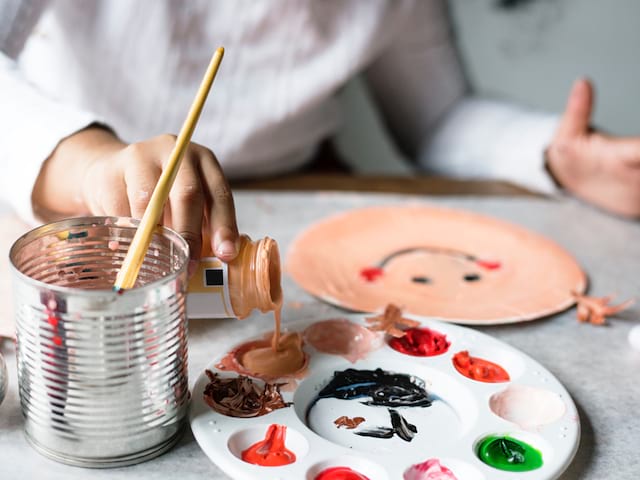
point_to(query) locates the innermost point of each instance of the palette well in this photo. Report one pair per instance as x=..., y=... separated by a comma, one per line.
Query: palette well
x=384, y=414
x=440, y=263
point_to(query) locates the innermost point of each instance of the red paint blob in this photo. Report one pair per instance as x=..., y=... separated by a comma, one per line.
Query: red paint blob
x=488, y=264
x=371, y=274
x=53, y=320
x=340, y=473
x=271, y=451
x=421, y=342
x=479, y=369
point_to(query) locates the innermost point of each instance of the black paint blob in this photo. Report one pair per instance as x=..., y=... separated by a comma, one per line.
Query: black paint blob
x=424, y=280
x=385, y=389
x=399, y=426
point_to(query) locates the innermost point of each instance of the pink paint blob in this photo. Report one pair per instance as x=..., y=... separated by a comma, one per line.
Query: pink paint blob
x=428, y=470
x=421, y=342
x=340, y=473
x=528, y=407
x=341, y=337
x=114, y=245
x=488, y=264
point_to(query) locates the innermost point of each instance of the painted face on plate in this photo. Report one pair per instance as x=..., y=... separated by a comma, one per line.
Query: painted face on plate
x=428, y=271
x=434, y=262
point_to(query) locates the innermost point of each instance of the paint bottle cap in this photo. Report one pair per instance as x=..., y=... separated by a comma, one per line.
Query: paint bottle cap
x=255, y=277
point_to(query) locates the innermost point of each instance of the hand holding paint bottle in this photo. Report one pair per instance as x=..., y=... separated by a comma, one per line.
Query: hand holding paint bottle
x=250, y=281
x=92, y=172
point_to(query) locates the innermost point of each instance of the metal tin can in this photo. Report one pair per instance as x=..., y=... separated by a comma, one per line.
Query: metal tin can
x=102, y=375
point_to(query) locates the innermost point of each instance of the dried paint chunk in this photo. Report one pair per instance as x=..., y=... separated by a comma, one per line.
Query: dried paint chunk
x=340, y=473
x=342, y=337
x=479, y=369
x=595, y=310
x=431, y=469
x=506, y=453
x=421, y=342
x=241, y=397
x=270, y=452
x=391, y=321
x=347, y=422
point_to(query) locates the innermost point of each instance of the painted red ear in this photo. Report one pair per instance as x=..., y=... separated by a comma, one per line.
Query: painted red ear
x=489, y=264
x=371, y=274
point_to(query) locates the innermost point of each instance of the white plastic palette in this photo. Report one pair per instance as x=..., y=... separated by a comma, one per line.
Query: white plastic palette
x=449, y=430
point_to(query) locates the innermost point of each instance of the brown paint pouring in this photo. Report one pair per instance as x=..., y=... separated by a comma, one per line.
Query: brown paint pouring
x=259, y=358
x=257, y=269
x=435, y=262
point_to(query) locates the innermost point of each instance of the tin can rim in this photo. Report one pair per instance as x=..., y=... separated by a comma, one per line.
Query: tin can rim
x=92, y=221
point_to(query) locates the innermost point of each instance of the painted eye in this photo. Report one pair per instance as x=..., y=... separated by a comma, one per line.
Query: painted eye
x=471, y=277
x=424, y=280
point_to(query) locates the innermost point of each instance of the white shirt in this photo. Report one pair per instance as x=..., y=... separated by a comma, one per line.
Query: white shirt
x=135, y=66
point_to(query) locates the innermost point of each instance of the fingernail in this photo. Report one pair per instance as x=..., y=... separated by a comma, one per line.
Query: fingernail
x=226, y=249
x=191, y=268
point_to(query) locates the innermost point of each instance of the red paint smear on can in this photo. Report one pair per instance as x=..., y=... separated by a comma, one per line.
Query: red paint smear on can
x=421, y=342
x=479, y=369
x=340, y=473
x=371, y=274
x=271, y=451
x=488, y=264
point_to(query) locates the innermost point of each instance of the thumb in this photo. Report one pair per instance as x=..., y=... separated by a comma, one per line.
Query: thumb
x=577, y=113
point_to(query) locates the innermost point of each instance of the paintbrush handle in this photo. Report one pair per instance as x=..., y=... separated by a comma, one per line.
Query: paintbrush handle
x=137, y=250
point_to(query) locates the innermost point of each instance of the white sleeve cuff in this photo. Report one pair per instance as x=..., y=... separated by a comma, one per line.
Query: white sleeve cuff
x=484, y=139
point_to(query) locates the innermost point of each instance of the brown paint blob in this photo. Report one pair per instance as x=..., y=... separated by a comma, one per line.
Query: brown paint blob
x=270, y=452
x=479, y=369
x=241, y=397
x=342, y=337
x=259, y=359
x=347, y=422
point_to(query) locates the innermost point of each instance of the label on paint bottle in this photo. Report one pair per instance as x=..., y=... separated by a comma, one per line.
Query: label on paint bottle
x=208, y=293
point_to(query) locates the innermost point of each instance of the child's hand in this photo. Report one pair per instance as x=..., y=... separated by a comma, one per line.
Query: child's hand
x=93, y=172
x=599, y=168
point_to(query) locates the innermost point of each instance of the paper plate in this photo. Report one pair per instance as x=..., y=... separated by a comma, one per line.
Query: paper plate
x=440, y=263
x=532, y=407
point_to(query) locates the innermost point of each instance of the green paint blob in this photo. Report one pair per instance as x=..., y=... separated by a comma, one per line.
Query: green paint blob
x=506, y=453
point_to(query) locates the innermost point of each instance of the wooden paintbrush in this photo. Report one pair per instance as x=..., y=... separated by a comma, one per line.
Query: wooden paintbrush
x=137, y=250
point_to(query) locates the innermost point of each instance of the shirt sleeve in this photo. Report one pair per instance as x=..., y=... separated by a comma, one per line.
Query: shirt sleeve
x=419, y=86
x=483, y=139
x=31, y=123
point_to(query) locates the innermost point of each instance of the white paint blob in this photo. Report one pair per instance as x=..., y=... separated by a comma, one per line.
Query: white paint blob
x=527, y=407
x=634, y=337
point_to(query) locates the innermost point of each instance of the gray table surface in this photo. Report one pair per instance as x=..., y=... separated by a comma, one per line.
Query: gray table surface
x=596, y=364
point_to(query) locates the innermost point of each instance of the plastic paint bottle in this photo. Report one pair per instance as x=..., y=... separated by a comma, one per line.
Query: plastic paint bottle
x=251, y=281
